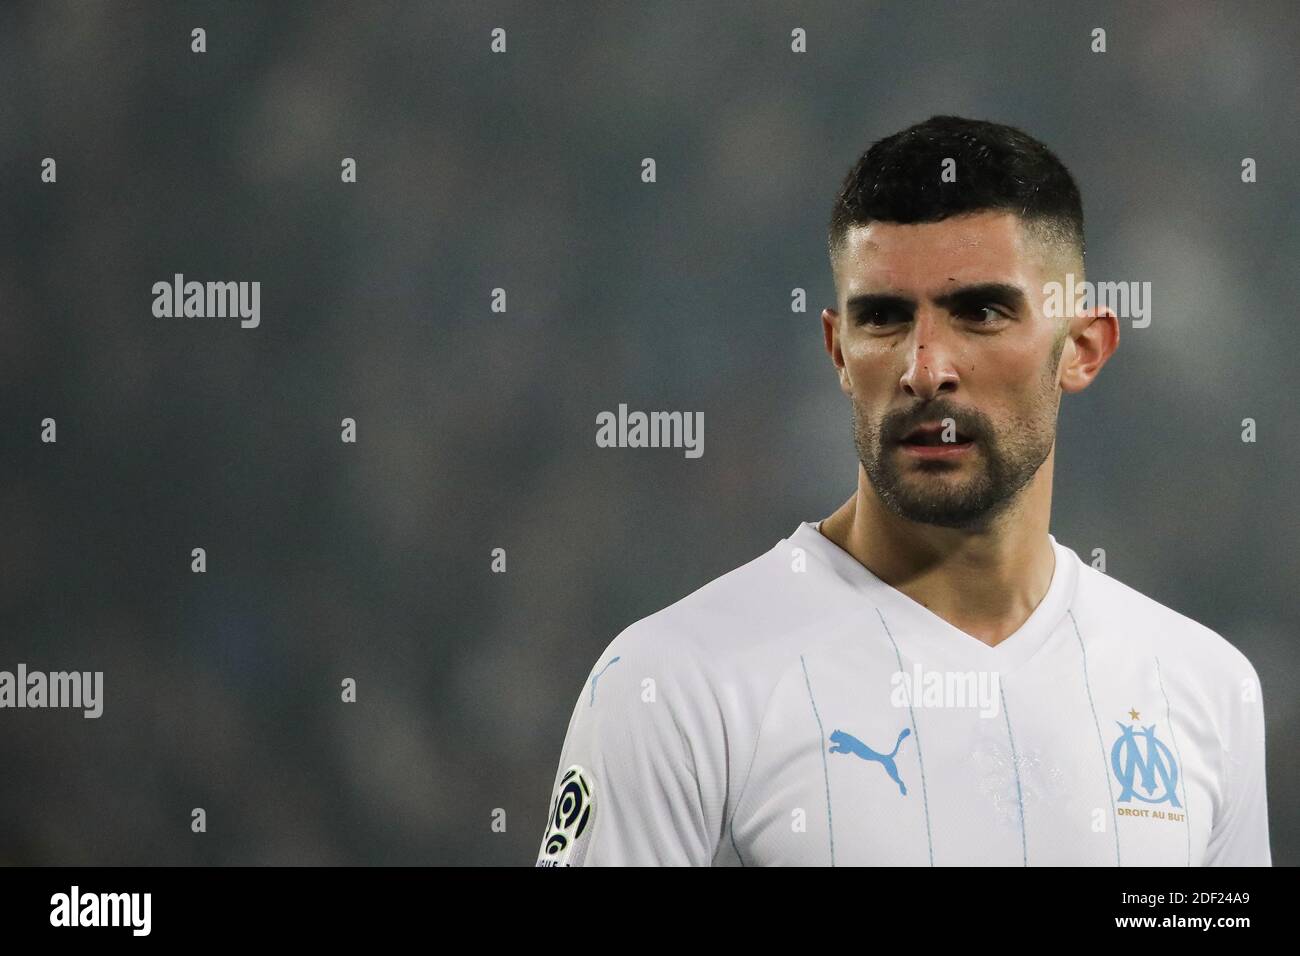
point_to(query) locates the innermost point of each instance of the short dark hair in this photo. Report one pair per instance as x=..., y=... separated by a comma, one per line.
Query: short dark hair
x=998, y=168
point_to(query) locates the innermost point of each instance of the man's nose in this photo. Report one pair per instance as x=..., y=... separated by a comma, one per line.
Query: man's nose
x=930, y=368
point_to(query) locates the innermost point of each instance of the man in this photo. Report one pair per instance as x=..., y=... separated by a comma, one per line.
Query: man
x=927, y=677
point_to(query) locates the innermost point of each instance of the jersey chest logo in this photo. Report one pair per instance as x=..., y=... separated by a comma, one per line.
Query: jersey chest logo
x=1144, y=766
x=842, y=743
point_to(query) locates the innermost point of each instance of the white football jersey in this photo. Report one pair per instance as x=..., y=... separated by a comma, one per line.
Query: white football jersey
x=800, y=711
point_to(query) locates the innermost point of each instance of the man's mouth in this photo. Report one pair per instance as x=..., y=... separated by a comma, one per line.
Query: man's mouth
x=933, y=436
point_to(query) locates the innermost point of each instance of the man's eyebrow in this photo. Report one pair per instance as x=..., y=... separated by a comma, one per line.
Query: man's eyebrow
x=999, y=293
x=871, y=301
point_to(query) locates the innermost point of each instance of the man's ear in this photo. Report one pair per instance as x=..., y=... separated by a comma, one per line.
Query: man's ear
x=1092, y=339
x=831, y=337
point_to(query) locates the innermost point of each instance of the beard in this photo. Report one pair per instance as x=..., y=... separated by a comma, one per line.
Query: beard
x=967, y=493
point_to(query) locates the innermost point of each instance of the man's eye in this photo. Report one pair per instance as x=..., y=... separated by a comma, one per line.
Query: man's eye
x=878, y=318
x=983, y=314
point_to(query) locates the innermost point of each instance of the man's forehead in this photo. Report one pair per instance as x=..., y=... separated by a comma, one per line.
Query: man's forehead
x=926, y=257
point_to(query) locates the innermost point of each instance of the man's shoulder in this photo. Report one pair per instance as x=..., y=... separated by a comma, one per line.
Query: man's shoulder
x=736, y=614
x=1128, y=614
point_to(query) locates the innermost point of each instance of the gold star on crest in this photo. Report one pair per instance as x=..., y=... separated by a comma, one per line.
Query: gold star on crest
x=1133, y=714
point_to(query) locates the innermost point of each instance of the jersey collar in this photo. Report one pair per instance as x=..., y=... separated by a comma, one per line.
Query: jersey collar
x=920, y=632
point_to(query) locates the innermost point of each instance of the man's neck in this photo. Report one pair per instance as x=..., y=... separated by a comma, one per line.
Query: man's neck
x=986, y=583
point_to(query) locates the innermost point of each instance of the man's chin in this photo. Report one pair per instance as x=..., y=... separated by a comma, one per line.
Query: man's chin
x=944, y=516
x=959, y=506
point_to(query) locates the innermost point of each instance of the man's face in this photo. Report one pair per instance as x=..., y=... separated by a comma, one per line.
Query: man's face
x=945, y=320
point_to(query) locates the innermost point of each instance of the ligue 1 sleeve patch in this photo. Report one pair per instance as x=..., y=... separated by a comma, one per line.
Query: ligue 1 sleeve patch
x=571, y=810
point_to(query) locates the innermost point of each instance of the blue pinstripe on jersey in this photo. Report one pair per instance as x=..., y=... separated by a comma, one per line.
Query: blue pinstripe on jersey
x=1015, y=765
x=1101, y=747
x=821, y=745
x=911, y=715
x=1187, y=807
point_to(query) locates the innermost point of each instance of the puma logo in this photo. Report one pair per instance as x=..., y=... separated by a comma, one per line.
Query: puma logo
x=842, y=743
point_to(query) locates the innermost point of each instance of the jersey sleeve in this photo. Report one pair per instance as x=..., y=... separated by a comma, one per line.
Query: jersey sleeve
x=641, y=779
x=1239, y=836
